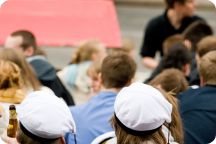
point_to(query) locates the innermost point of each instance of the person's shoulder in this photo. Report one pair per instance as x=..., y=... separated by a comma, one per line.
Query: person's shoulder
x=191, y=90
x=156, y=21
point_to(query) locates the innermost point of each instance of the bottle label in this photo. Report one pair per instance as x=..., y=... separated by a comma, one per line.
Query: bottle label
x=13, y=114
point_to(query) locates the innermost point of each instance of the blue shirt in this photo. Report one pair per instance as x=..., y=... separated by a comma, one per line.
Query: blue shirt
x=92, y=118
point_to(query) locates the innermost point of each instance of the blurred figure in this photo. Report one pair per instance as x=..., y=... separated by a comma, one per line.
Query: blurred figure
x=140, y=113
x=74, y=76
x=197, y=106
x=176, y=18
x=178, y=57
x=193, y=34
x=3, y=123
x=25, y=41
x=92, y=118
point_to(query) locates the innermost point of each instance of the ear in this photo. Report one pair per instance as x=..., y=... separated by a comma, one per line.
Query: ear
x=188, y=44
x=186, y=69
x=202, y=81
x=62, y=140
x=29, y=51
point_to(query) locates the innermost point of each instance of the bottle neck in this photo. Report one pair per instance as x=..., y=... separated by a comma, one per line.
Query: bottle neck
x=13, y=114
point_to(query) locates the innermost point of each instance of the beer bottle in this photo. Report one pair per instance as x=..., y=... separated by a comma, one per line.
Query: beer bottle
x=13, y=122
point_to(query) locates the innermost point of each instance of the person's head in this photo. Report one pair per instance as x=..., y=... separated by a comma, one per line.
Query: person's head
x=140, y=110
x=186, y=7
x=170, y=80
x=117, y=70
x=91, y=50
x=197, y=31
x=178, y=57
x=127, y=47
x=206, y=45
x=23, y=40
x=207, y=68
x=170, y=41
x=43, y=118
x=28, y=75
x=94, y=72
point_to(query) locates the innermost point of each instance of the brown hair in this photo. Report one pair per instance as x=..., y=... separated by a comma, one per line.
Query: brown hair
x=207, y=68
x=10, y=75
x=27, y=72
x=175, y=126
x=117, y=70
x=124, y=138
x=85, y=51
x=170, y=41
x=170, y=3
x=28, y=37
x=171, y=80
x=206, y=45
x=24, y=139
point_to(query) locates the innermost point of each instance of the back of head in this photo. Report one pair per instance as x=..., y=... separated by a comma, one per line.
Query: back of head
x=43, y=118
x=117, y=70
x=85, y=51
x=140, y=111
x=177, y=56
x=196, y=31
x=10, y=75
x=27, y=72
x=206, y=45
x=28, y=38
x=170, y=41
x=207, y=68
x=171, y=80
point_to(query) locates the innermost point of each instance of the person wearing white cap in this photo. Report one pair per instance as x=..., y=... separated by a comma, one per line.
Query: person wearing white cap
x=92, y=118
x=43, y=119
x=140, y=112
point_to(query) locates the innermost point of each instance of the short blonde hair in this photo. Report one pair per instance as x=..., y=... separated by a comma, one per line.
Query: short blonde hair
x=206, y=45
x=207, y=68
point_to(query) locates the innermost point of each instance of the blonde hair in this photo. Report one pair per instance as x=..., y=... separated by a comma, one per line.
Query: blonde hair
x=85, y=51
x=124, y=138
x=207, y=68
x=27, y=73
x=10, y=75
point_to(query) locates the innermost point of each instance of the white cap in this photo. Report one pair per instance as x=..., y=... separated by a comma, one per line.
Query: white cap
x=141, y=107
x=45, y=115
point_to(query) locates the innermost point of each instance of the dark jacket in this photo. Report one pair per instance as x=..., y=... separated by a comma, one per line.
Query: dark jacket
x=198, y=112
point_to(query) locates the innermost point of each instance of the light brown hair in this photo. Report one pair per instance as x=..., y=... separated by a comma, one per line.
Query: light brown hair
x=206, y=45
x=85, y=51
x=125, y=138
x=170, y=41
x=117, y=70
x=171, y=80
x=27, y=72
x=207, y=68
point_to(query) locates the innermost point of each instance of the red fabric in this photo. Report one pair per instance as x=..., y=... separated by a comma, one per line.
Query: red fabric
x=62, y=22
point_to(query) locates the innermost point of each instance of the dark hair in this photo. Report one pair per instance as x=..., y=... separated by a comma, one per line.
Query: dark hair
x=196, y=31
x=177, y=56
x=28, y=39
x=117, y=70
x=170, y=3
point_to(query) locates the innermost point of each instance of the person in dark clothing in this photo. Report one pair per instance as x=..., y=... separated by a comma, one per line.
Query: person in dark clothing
x=176, y=18
x=26, y=42
x=178, y=57
x=194, y=33
x=197, y=106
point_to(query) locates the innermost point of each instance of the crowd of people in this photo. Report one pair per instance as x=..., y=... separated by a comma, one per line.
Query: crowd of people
x=97, y=98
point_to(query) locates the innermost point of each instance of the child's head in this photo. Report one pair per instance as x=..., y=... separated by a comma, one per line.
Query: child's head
x=94, y=73
x=91, y=50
